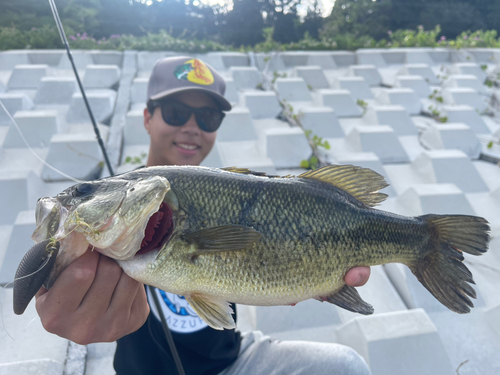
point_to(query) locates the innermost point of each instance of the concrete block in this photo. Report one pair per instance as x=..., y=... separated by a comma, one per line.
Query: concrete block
x=370, y=57
x=357, y=86
x=322, y=121
x=9, y=59
x=107, y=58
x=464, y=80
x=139, y=90
x=2, y=87
x=461, y=55
x=231, y=93
x=100, y=358
x=393, y=115
x=13, y=102
x=47, y=57
x=27, y=76
x=135, y=133
x=415, y=56
x=21, y=189
x=245, y=77
x=213, y=59
x=56, y=90
x=394, y=56
x=102, y=103
x=379, y=139
x=33, y=367
x=262, y=104
x=322, y=59
x=440, y=55
x=19, y=243
x=491, y=316
x=81, y=59
x=422, y=70
x=449, y=166
x=452, y=136
x=37, y=128
x=295, y=58
x=313, y=76
x=214, y=158
x=467, y=115
x=234, y=59
x=484, y=55
x=341, y=101
x=404, y=97
x=469, y=69
x=237, y=126
x=271, y=61
x=101, y=76
x=245, y=154
x=417, y=83
x=293, y=90
x=287, y=147
x=435, y=198
x=396, y=342
x=464, y=96
x=28, y=340
x=77, y=155
x=368, y=72
x=147, y=60
x=343, y=58
x=306, y=314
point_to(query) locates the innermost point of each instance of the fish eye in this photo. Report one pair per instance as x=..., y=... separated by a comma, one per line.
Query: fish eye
x=83, y=188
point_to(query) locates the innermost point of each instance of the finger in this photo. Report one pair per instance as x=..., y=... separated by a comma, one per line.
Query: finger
x=358, y=276
x=140, y=310
x=124, y=295
x=98, y=298
x=68, y=291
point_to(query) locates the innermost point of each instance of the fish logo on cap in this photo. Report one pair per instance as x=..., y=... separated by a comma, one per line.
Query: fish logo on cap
x=194, y=71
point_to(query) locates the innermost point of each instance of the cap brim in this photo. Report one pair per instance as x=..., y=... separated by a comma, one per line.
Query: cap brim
x=221, y=101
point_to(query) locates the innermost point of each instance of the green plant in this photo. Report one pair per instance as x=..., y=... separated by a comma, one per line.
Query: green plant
x=362, y=104
x=315, y=141
x=136, y=159
x=414, y=38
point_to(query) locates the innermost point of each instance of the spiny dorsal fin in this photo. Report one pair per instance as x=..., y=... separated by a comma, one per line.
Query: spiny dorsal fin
x=362, y=183
x=254, y=173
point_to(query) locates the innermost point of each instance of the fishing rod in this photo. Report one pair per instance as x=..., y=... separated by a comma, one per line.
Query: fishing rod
x=62, y=34
x=166, y=329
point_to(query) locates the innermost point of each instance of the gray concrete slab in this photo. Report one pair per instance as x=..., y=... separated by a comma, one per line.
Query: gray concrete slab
x=101, y=102
x=390, y=351
x=231, y=93
x=245, y=77
x=37, y=127
x=464, y=80
x=368, y=72
x=395, y=116
x=465, y=96
x=357, y=86
x=103, y=57
x=245, y=154
x=101, y=76
x=469, y=69
x=405, y=97
x=287, y=147
x=341, y=101
x=48, y=57
x=467, y=115
x=293, y=89
x=81, y=59
x=417, y=83
x=9, y=59
x=295, y=58
x=370, y=57
x=23, y=187
x=13, y=102
x=452, y=136
x=423, y=70
x=100, y=359
x=27, y=76
x=135, y=133
x=379, y=139
x=56, y=90
x=139, y=90
x=313, y=76
x=323, y=59
x=343, y=58
x=262, y=104
x=322, y=121
x=237, y=126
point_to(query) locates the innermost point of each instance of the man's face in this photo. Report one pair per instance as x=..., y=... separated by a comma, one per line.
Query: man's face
x=179, y=145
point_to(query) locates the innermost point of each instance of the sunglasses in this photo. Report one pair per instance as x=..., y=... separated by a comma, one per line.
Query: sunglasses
x=177, y=114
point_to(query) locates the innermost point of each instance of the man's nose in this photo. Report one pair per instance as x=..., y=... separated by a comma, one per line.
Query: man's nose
x=191, y=125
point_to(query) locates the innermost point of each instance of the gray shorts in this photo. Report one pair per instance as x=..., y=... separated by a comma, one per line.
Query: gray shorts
x=262, y=355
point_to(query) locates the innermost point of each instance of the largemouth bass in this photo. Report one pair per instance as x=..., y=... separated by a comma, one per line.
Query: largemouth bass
x=219, y=235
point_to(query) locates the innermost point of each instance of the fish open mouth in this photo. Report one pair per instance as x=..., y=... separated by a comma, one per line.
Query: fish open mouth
x=159, y=229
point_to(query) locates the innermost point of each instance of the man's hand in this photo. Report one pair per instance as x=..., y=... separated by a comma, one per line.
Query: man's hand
x=357, y=276
x=93, y=300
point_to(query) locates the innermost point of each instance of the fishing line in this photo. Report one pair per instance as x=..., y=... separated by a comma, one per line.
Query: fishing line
x=33, y=151
x=62, y=34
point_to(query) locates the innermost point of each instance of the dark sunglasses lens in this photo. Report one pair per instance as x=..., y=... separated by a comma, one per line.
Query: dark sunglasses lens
x=209, y=119
x=175, y=114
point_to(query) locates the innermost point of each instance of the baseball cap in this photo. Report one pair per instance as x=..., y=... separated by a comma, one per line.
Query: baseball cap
x=182, y=73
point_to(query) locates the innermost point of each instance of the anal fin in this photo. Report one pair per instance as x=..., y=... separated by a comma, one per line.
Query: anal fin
x=216, y=313
x=348, y=298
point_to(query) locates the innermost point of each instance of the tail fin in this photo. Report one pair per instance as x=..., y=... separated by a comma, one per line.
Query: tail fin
x=441, y=269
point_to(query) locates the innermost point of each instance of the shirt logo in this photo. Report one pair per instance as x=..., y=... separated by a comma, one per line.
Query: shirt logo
x=194, y=71
x=180, y=316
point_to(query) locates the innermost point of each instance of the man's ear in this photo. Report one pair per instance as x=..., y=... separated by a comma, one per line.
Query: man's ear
x=147, y=119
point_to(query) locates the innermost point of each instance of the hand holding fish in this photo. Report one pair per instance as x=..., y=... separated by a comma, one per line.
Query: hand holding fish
x=93, y=300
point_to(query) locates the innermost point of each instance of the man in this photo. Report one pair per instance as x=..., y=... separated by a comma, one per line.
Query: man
x=94, y=301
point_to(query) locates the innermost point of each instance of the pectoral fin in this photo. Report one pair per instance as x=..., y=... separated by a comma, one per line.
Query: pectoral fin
x=223, y=238
x=348, y=298
x=216, y=313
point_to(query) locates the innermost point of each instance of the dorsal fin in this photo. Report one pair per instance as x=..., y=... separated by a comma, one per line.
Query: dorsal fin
x=248, y=171
x=362, y=183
